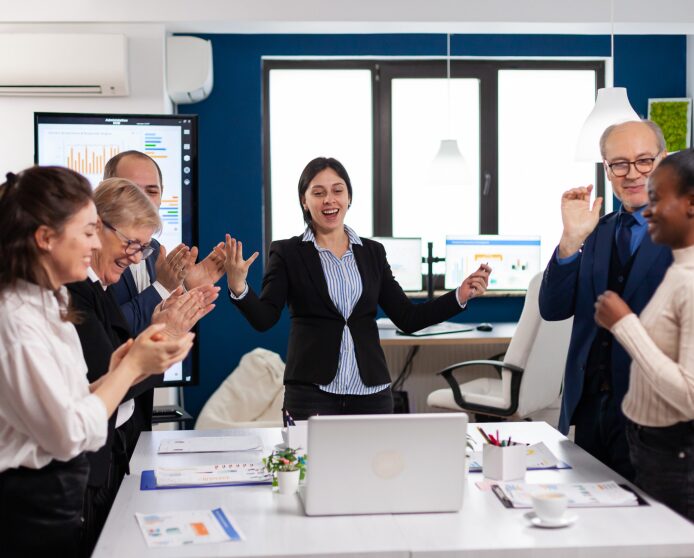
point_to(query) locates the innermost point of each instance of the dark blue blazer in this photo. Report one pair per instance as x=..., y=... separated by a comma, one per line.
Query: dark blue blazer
x=572, y=289
x=138, y=307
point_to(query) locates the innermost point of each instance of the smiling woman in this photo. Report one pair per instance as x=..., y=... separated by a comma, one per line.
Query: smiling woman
x=127, y=221
x=332, y=280
x=658, y=404
x=50, y=415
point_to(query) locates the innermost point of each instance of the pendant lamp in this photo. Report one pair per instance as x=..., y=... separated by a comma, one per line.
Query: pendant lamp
x=611, y=107
x=448, y=166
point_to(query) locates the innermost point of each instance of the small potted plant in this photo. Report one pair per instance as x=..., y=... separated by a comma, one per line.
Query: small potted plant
x=287, y=468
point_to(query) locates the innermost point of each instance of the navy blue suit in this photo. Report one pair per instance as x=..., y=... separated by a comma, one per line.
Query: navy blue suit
x=572, y=289
x=138, y=307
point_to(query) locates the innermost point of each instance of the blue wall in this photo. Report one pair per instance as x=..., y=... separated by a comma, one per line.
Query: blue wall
x=230, y=197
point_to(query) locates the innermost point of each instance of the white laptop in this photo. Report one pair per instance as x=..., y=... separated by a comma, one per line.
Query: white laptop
x=367, y=464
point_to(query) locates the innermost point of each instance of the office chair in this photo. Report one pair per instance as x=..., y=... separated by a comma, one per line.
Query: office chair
x=530, y=374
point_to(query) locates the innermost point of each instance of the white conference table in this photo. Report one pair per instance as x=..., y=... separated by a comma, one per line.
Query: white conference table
x=275, y=525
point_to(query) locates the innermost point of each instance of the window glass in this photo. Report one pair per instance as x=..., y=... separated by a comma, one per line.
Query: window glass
x=423, y=206
x=316, y=113
x=540, y=116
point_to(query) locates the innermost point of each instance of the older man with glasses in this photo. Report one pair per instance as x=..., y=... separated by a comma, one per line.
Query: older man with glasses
x=596, y=254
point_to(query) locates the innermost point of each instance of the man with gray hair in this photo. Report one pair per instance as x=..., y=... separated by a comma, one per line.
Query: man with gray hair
x=144, y=285
x=596, y=254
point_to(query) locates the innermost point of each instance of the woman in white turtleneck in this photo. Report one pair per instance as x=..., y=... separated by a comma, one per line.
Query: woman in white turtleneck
x=659, y=405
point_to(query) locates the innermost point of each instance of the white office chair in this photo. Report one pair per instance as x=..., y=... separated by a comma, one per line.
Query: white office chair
x=531, y=373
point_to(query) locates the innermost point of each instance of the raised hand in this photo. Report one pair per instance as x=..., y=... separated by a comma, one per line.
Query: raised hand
x=578, y=217
x=475, y=284
x=609, y=309
x=235, y=266
x=209, y=270
x=171, y=269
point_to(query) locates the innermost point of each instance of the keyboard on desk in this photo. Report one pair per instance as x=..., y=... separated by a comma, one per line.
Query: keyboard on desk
x=166, y=411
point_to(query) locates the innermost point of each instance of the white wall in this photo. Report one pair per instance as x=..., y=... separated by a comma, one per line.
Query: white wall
x=146, y=60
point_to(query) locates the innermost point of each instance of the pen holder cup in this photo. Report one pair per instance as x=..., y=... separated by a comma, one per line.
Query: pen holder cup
x=504, y=463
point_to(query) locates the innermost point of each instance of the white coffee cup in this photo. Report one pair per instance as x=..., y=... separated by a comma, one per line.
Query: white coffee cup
x=550, y=506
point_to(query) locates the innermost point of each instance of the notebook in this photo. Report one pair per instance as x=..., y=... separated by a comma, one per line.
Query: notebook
x=368, y=464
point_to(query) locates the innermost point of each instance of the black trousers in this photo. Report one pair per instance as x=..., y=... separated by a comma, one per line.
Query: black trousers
x=601, y=430
x=99, y=499
x=41, y=509
x=305, y=400
x=664, y=462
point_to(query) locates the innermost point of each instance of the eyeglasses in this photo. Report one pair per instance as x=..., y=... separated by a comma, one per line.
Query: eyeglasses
x=132, y=246
x=643, y=165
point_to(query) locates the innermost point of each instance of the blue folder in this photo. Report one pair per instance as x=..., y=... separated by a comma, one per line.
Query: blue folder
x=149, y=482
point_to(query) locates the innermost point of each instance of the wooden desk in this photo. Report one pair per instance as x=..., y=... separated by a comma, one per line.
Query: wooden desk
x=502, y=333
x=275, y=525
x=438, y=351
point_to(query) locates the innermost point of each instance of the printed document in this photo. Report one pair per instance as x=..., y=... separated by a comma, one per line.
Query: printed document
x=187, y=527
x=211, y=444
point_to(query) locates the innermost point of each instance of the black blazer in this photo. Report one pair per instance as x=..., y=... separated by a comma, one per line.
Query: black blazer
x=103, y=329
x=294, y=276
x=138, y=307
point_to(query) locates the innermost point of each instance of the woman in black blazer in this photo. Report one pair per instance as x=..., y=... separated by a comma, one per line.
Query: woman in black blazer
x=333, y=281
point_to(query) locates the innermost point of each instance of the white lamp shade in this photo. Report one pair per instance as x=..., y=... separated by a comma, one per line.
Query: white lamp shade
x=448, y=167
x=611, y=107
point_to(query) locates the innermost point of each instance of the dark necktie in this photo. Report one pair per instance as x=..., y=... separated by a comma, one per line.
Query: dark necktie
x=626, y=221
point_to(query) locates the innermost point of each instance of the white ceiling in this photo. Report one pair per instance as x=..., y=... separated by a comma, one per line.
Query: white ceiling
x=367, y=16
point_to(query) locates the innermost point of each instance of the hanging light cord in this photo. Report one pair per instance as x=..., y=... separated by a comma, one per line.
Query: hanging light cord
x=612, y=38
x=448, y=81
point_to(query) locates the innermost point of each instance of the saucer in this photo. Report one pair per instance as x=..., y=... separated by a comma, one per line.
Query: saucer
x=556, y=524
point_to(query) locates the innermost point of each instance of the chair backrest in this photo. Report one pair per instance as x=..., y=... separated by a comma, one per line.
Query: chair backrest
x=540, y=347
x=252, y=392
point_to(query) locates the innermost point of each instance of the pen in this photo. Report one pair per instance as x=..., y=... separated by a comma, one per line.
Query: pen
x=484, y=435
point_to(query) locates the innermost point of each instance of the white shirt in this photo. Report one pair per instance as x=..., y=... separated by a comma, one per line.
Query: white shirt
x=126, y=409
x=661, y=343
x=46, y=409
x=141, y=278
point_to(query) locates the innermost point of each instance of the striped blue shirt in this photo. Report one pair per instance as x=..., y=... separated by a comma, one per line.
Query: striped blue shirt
x=345, y=289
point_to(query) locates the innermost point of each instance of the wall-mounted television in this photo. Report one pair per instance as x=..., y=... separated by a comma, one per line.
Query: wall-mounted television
x=85, y=142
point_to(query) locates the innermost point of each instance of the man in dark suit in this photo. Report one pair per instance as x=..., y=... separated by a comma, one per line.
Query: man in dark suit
x=142, y=286
x=596, y=254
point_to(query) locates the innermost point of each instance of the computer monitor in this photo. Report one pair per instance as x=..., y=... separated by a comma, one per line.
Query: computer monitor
x=405, y=259
x=514, y=259
x=85, y=142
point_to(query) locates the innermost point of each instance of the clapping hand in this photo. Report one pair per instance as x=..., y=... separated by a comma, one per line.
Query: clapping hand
x=152, y=352
x=578, y=217
x=182, y=310
x=475, y=284
x=209, y=270
x=609, y=309
x=236, y=267
x=171, y=269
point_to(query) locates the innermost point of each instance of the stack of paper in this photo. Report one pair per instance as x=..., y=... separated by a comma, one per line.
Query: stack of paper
x=580, y=495
x=221, y=474
x=210, y=444
x=187, y=527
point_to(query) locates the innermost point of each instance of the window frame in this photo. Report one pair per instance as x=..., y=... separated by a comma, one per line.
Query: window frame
x=383, y=71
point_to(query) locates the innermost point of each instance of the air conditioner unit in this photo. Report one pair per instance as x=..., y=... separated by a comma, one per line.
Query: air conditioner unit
x=189, y=71
x=78, y=65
